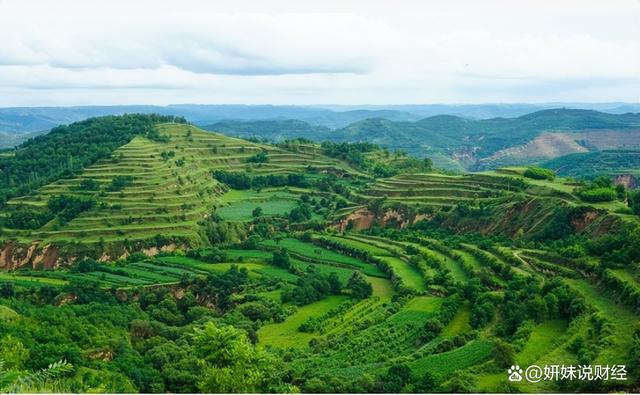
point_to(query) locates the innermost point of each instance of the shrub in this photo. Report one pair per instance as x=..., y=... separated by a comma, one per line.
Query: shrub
x=538, y=173
x=260, y=157
x=597, y=195
x=118, y=183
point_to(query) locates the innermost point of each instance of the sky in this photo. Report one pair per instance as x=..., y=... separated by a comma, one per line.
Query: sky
x=318, y=52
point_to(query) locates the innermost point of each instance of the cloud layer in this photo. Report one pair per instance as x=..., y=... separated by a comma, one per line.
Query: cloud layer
x=99, y=52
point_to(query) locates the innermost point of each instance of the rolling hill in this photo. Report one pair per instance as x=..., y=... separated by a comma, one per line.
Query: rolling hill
x=140, y=253
x=591, y=164
x=149, y=189
x=460, y=143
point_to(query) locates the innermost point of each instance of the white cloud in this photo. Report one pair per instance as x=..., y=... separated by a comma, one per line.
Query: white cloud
x=99, y=52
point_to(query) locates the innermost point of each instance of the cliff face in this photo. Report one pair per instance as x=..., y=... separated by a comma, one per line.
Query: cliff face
x=365, y=219
x=516, y=220
x=14, y=255
x=628, y=180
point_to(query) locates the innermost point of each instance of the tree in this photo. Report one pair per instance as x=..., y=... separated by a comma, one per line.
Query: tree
x=281, y=259
x=301, y=213
x=538, y=173
x=260, y=157
x=376, y=205
x=13, y=353
x=231, y=363
x=428, y=383
x=461, y=382
x=359, y=286
x=397, y=377
x=432, y=328
x=257, y=212
x=503, y=354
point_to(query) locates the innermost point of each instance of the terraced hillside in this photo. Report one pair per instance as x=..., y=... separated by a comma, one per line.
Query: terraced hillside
x=158, y=188
x=222, y=265
x=438, y=190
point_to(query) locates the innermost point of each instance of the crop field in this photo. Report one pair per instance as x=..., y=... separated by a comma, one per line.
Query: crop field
x=349, y=242
x=438, y=191
x=150, y=269
x=286, y=334
x=460, y=322
x=449, y=362
x=167, y=195
x=30, y=280
x=312, y=251
x=544, y=337
x=240, y=208
x=253, y=267
x=405, y=272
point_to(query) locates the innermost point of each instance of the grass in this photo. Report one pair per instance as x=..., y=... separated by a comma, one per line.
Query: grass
x=286, y=334
x=358, y=245
x=382, y=287
x=460, y=322
x=323, y=255
x=446, y=363
x=28, y=280
x=409, y=276
x=543, y=338
x=7, y=313
x=623, y=321
x=271, y=203
x=167, y=197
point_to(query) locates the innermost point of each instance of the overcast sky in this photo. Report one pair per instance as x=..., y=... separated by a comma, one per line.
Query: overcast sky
x=294, y=52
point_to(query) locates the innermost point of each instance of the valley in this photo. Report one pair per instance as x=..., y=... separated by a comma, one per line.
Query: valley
x=183, y=260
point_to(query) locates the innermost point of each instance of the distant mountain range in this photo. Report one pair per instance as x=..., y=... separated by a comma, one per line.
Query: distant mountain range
x=37, y=119
x=458, y=137
x=458, y=143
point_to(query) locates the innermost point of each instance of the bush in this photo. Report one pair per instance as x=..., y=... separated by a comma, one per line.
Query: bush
x=118, y=183
x=538, y=173
x=68, y=207
x=260, y=157
x=360, y=287
x=597, y=194
x=600, y=189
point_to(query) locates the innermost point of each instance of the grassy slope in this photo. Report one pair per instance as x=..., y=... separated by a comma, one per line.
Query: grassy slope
x=286, y=334
x=166, y=197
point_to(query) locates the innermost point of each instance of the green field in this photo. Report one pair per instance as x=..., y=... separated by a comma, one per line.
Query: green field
x=130, y=250
x=405, y=272
x=241, y=204
x=286, y=334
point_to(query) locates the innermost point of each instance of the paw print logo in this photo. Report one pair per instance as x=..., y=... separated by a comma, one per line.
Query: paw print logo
x=515, y=373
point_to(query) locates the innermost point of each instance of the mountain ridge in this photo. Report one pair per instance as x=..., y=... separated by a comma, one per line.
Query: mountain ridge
x=449, y=137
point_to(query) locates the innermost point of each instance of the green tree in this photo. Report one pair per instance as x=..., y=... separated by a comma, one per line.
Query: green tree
x=503, y=354
x=397, y=377
x=426, y=384
x=13, y=353
x=257, y=212
x=231, y=363
x=359, y=286
x=281, y=259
